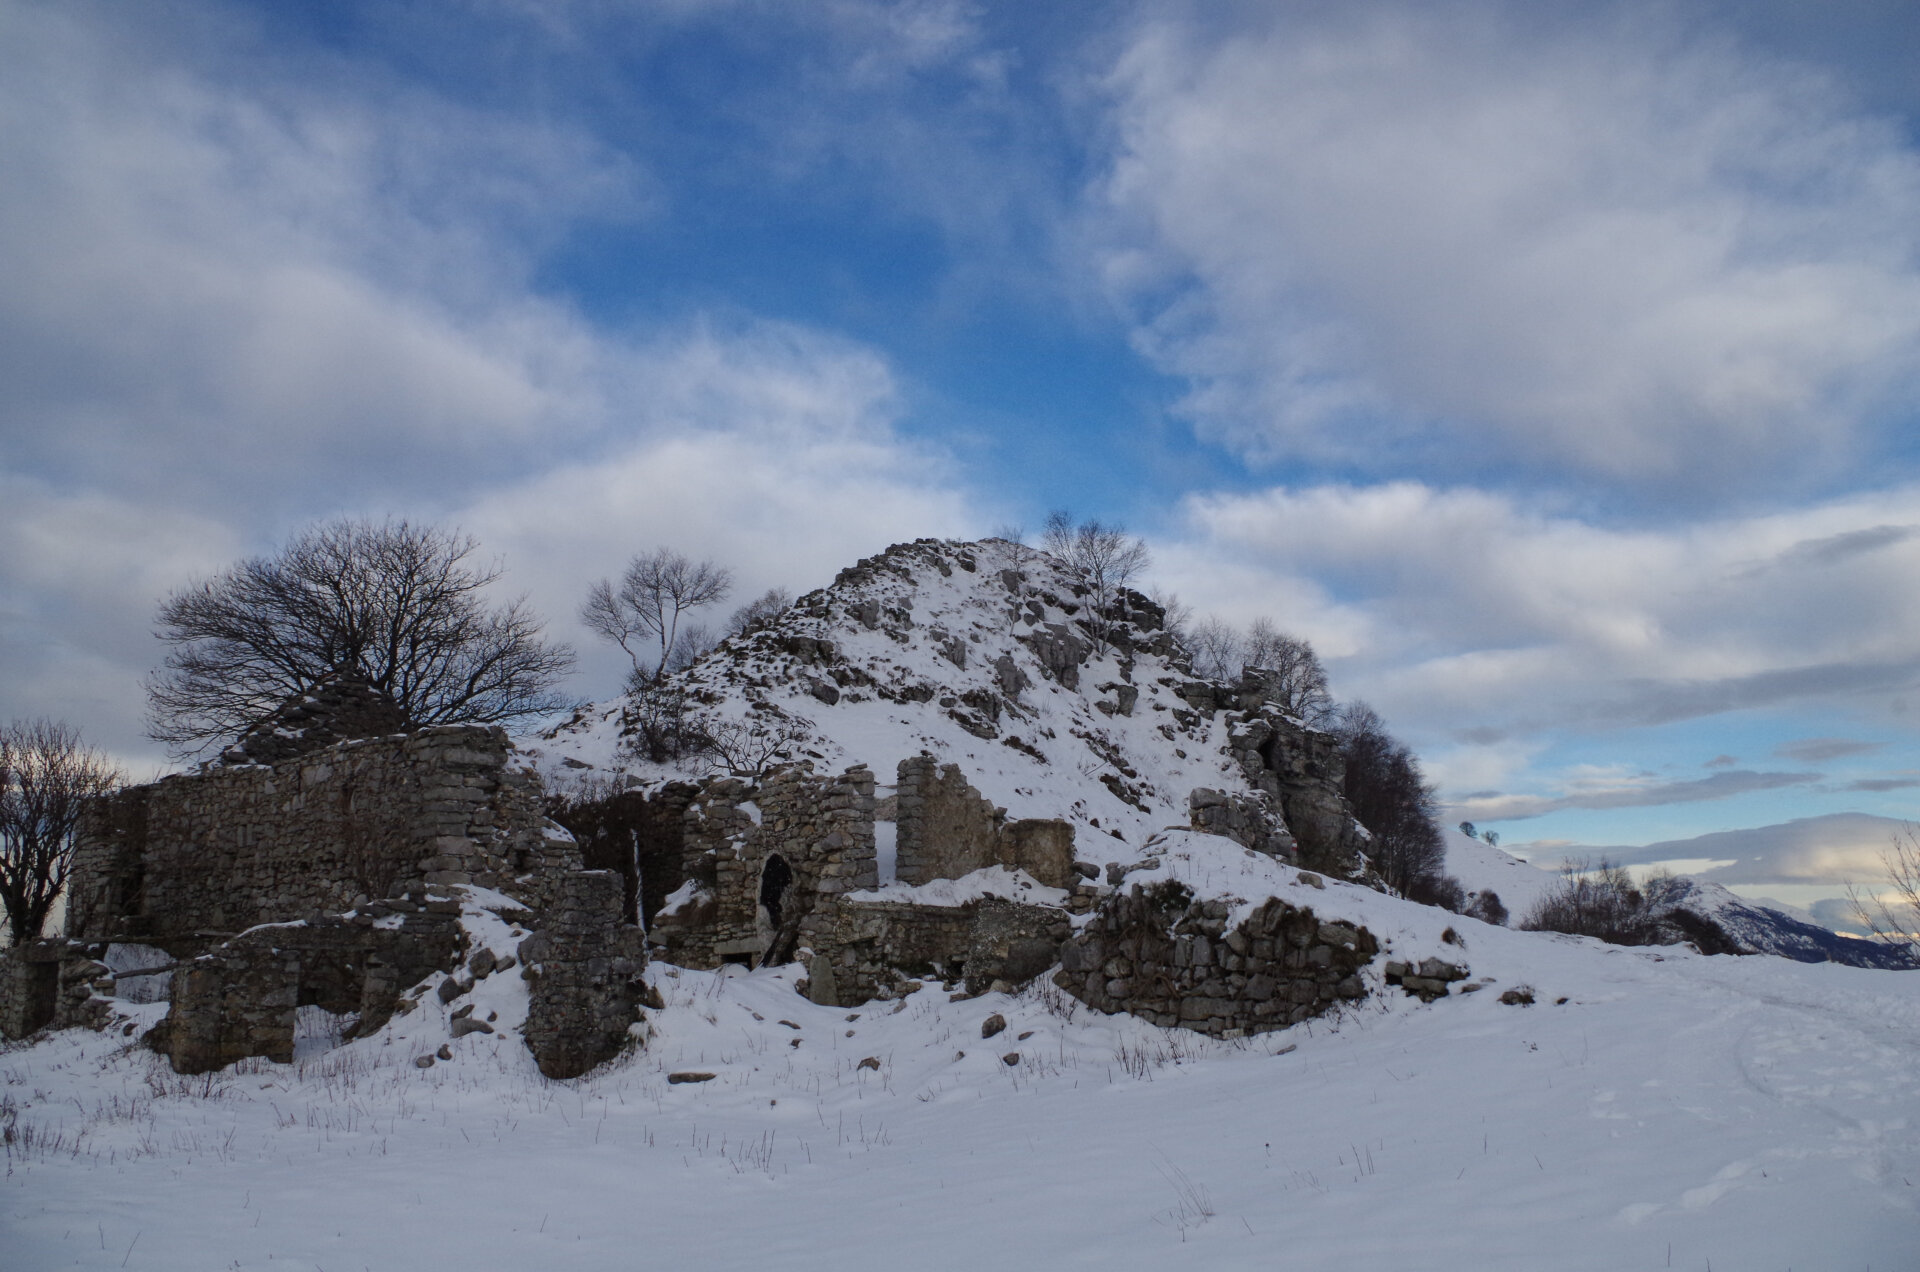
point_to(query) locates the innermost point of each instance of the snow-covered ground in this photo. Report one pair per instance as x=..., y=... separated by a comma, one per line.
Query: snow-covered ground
x=1674, y=1111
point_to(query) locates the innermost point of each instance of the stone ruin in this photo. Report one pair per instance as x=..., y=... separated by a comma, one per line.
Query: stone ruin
x=269, y=880
x=308, y=868
x=770, y=874
x=1163, y=956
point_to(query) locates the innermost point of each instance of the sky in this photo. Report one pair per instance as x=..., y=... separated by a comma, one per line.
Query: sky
x=1551, y=367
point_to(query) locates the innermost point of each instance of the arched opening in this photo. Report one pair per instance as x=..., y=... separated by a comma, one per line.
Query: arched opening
x=775, y=878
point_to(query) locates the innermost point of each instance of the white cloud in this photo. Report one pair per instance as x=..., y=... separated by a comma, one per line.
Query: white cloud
x=1445, y=235
x=258, y=293
x=1478, y=624
x=235, y=305
x=770, y=450
x=1637, y=793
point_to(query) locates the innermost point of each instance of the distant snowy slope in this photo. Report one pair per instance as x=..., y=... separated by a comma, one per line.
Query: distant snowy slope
x=1765, y=930
x=1480, y=867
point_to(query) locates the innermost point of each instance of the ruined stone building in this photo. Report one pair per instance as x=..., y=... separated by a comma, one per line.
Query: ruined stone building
x=325, y=858
x=324, y=876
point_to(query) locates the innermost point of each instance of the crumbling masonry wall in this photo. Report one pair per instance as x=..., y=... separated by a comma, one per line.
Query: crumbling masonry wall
x=197, y=856
x=863, y=950
x=948, y=829
x=1172, y=960
x=820, y=827
x=584, y=969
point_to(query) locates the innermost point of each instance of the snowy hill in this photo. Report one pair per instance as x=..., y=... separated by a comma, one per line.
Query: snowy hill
x=976, y=653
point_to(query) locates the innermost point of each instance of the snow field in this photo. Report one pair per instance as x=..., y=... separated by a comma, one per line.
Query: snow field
x=1753, y=1112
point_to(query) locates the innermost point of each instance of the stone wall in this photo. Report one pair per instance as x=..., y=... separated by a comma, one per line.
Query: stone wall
x=640, y=835
x=232, y=1004
x=198, y=856
x=1167, y=958
x=821, y=830
x=862, y=950
x=584, y=970
x=239, y=998
x=58, y=983
x=948, y=829
x=29, y=986
x=859, y=951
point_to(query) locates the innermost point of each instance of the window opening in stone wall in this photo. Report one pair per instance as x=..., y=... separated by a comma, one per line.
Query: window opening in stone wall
x=775, y=878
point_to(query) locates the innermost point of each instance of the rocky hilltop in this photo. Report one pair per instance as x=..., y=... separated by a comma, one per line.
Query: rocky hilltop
x=992, y=655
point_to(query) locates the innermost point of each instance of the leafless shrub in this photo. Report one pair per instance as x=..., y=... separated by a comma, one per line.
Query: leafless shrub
x=1215, y=649
x=1176, y=615
x=762, y=607
x=658, y=723
x=1600, y=901
x=395, y=603
x=750, y=747
x=694, y=644
x=1487, y=907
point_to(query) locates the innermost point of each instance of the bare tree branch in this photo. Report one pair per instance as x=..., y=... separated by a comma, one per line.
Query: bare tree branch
x=655, y=591
x=393, y=602
x=1891, y=914
x=47, y=779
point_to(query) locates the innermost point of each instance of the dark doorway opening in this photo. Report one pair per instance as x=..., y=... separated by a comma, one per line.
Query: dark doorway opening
x=775, y=877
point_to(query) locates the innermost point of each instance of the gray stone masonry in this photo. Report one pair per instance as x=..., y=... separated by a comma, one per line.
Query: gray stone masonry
x=192, y=858
x=230, y=1005
x=862, y=950
x=58, y=983
x=29, y=986
x=342, y=706
x=584, y=969
x=821, y=829
x=948, y=829
x=238, y=999
x=1170, y=959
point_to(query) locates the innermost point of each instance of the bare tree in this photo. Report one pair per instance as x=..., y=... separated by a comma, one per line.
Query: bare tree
x=1105, y=557
x=47, y=778
x=395, y=603
x=764, y=606
x=1216, y=649
x=1285, y=664
x=1891, y=915
x=1290, y=670
x=1176, y=616
x=655, y=591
